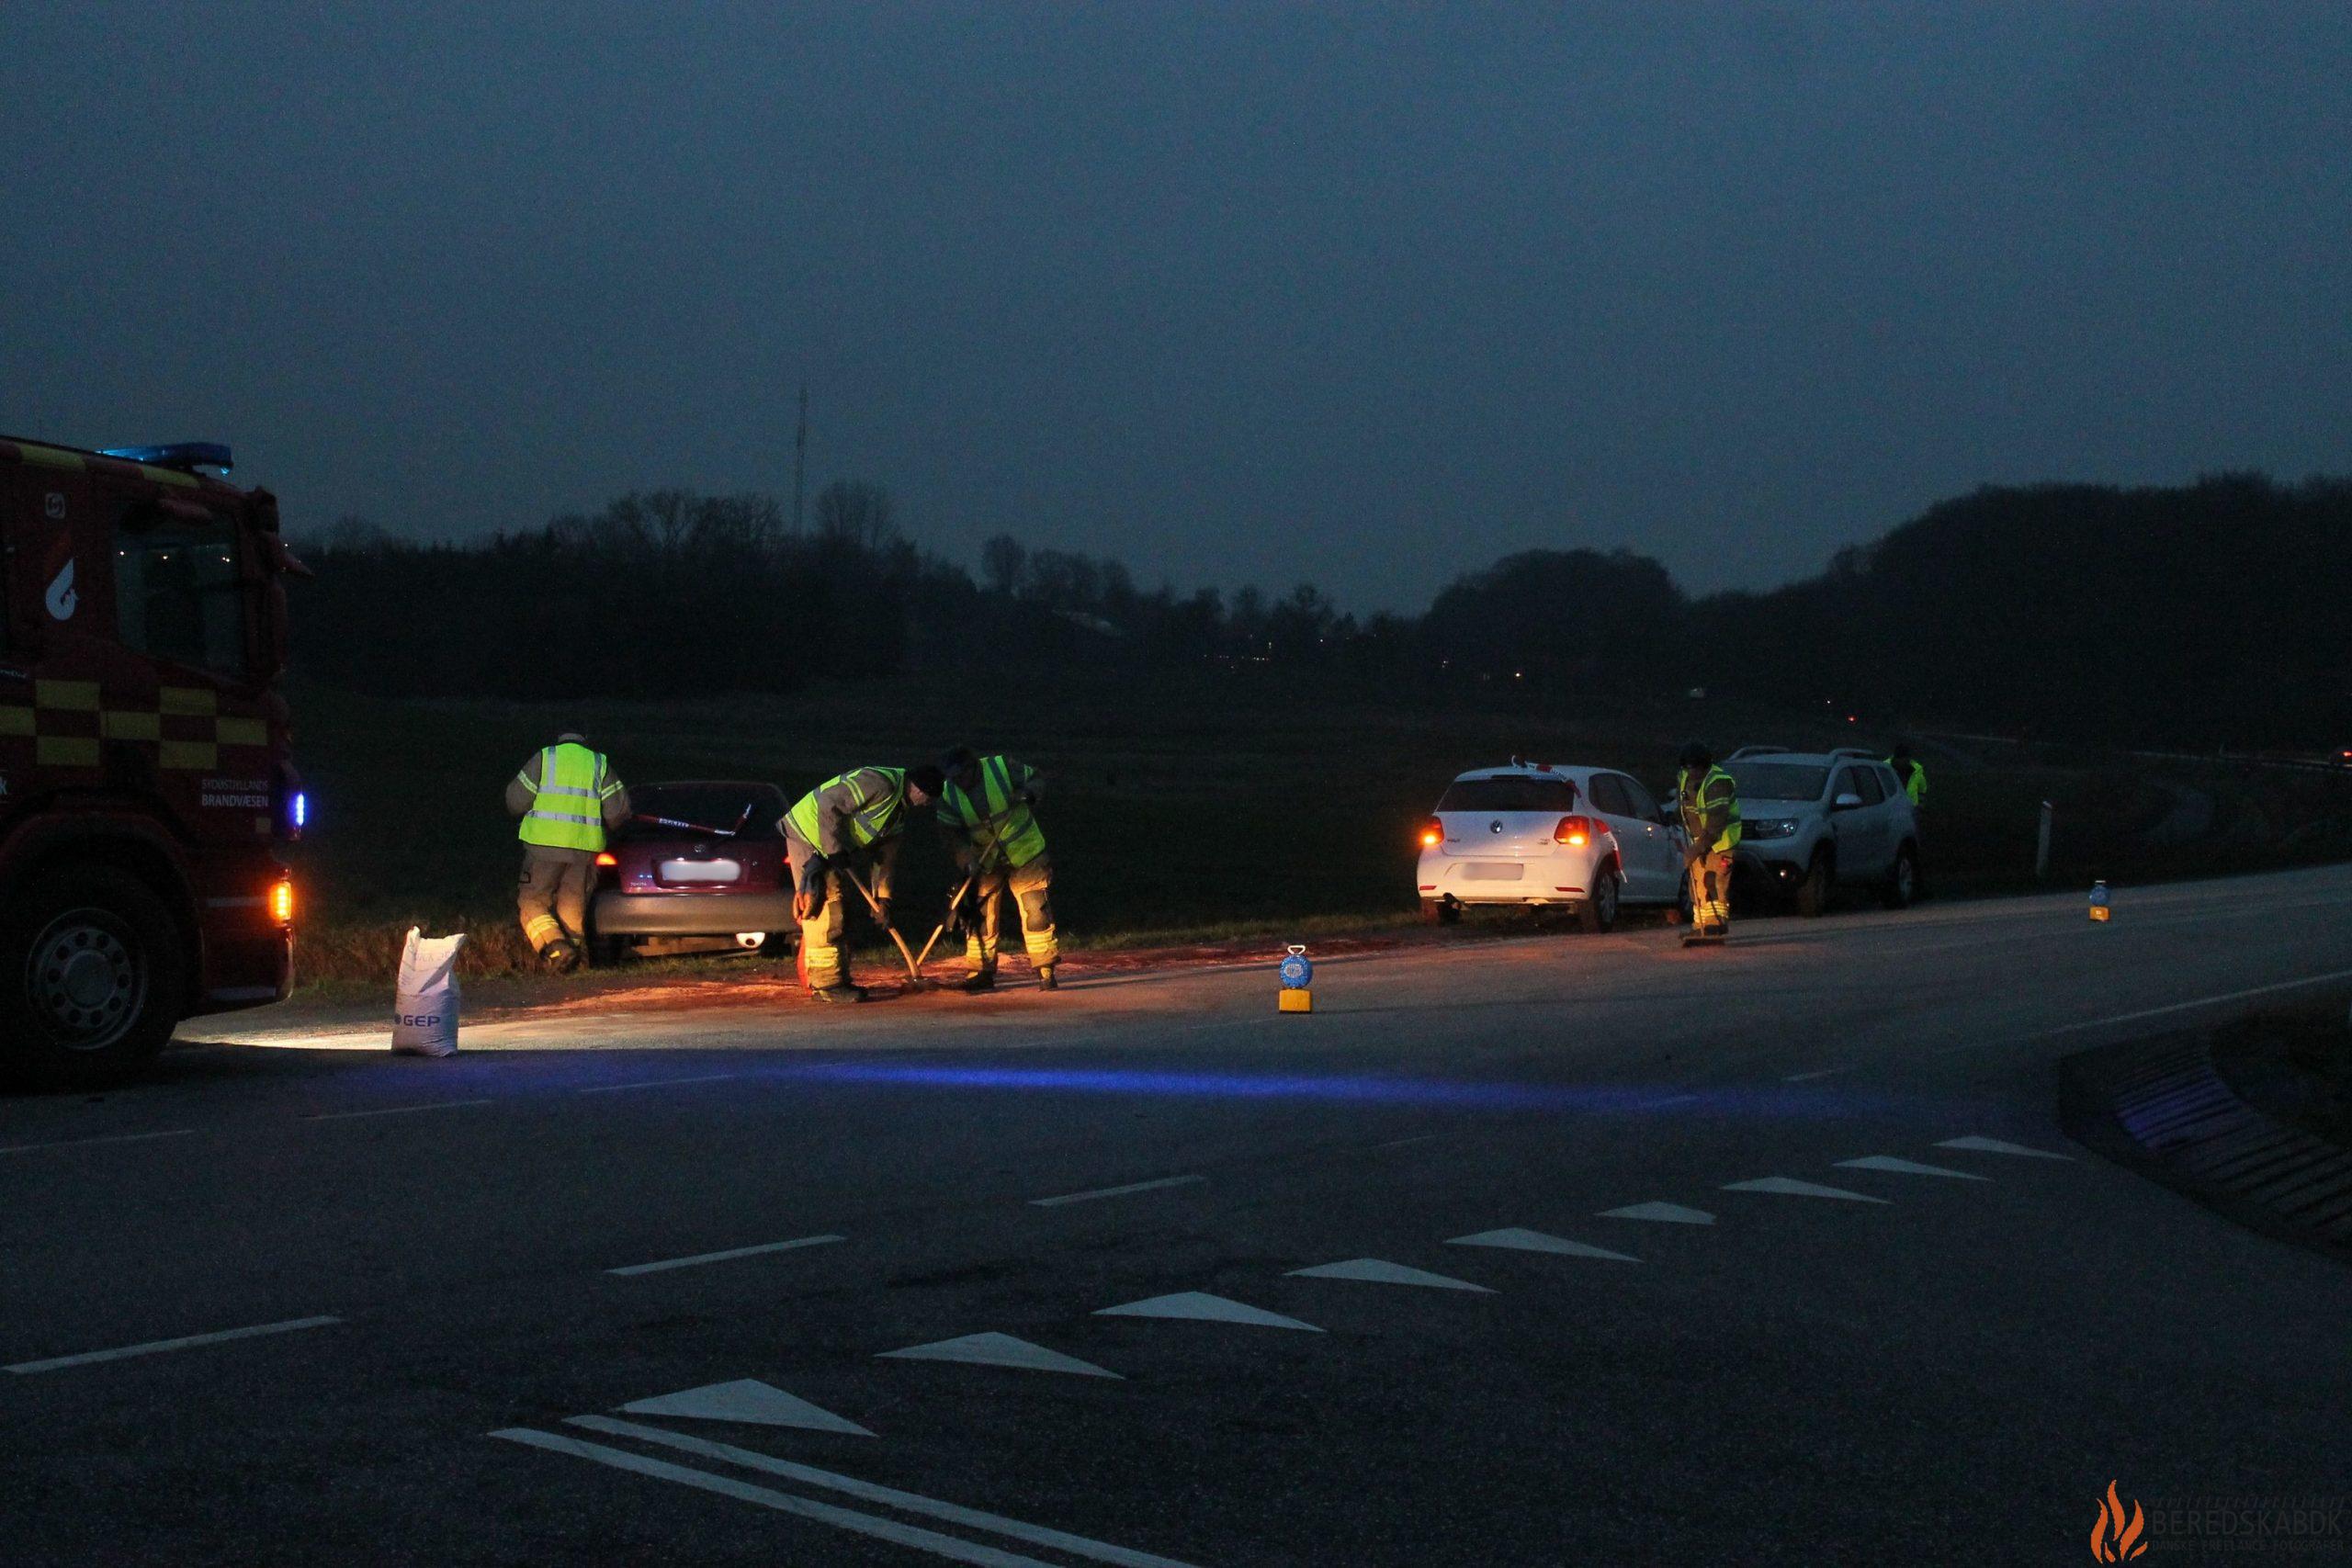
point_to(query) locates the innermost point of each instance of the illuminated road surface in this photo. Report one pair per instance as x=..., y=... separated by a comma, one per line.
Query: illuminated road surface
x=1562, y=1250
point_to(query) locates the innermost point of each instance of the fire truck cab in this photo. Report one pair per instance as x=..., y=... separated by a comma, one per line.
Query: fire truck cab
x=144, y=775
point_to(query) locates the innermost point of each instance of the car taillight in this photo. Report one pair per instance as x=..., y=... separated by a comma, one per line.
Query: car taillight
x=1576, y=831
x=607, y=858
x=281, y=902
x=1433, y=833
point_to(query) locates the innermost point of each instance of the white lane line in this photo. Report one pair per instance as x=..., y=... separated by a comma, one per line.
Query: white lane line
x=1401, y=1143
x=2199, y=1002
x=1789, y=1186
x=155, y=1346
x=90, y=1143
x=1999, y=1146
x=751, y=1402
x=1199, y=1306
x=1670, y=1100
x=1114, y=1191
x=999, y=1350
x=867, y=1491
x=653, y=1083
x=1521, y=1240
x=727, y=1256
x=1907, y=1167
x=1670, y=1214
x=1378, y=1272
x=395, y=1110
x=1819, y=1073
x=953, y=1547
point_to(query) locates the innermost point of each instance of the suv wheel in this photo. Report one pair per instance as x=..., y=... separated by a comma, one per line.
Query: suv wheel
x=93, y=970
x=1440, y=911
x=1598, y=913
x=1813, y=893
x=1903, y=880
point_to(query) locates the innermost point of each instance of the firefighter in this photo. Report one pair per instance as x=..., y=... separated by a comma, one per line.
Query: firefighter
x=567, y=796
x=1710, y=804
x=985, y=817
x=1911, y=771
x=856, y=820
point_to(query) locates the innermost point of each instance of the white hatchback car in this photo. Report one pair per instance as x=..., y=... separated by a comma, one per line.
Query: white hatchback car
x=1552, y=833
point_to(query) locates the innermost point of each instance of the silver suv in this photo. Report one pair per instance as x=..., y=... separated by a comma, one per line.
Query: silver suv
x=1810, y=820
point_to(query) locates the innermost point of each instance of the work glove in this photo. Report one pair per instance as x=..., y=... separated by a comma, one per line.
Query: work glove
x=882, y=907
x=805, y=906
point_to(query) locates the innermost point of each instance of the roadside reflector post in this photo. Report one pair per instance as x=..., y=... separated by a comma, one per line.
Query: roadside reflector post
x=2042, y=845
x=1298, y=974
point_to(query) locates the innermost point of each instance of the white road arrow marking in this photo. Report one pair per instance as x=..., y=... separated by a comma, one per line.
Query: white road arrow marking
x=746, y=1400
x=1374, y=1272
x=1536, y=1241
x=1996, y=1147
x=1205, y=1308
x=1670, y=1214
x=998, y=1350
x=1907, y=1167
x=1790, y=1187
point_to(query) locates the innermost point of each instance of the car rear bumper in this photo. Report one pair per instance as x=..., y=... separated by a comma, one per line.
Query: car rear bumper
x=1534, y=880
x=689, y=914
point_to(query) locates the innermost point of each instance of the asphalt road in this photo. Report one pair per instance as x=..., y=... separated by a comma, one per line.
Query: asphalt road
x=450, y=1259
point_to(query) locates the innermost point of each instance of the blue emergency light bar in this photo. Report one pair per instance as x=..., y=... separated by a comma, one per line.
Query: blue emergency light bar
x=186, y=456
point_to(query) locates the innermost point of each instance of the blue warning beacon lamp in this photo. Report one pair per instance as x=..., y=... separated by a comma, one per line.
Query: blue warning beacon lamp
x=1298, y=974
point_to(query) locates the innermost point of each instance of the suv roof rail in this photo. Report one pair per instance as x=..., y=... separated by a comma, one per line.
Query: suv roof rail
x=1756, y=751
x=1862, y=751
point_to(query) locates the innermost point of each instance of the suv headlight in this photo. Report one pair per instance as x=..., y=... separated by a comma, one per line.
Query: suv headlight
x=1769, y=828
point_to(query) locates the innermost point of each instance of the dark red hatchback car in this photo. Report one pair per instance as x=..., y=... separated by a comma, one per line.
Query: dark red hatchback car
x=695, y=860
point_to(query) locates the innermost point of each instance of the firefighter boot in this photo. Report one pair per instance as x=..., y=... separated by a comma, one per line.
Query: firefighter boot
x=844, y=992
x=561, y=957
x=1045, y=981
x=981, y=979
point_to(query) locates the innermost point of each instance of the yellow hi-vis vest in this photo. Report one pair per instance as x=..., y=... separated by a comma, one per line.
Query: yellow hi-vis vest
x=568, y=802
x=877, y=799
x=1716, y=795
x=998, y=818
x=1915, y=778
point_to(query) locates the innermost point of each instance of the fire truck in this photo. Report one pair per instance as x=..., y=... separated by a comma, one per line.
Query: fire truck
x=145, y=786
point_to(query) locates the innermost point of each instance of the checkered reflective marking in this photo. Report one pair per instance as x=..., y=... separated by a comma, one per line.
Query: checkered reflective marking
x=185, y=726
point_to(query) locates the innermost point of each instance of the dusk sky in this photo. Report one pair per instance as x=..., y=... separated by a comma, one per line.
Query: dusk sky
x=1358, y=295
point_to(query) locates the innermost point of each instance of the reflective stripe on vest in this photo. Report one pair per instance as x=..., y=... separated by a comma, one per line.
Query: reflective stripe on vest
x=1694, y=807
x=874, y=815
x=567, y=809
x=999, y=819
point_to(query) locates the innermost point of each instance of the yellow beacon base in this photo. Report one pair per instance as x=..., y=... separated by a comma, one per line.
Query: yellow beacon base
x=1295, y=1000
x=2098, y=912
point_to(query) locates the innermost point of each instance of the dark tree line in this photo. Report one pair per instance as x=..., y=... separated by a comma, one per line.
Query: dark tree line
x=2207, y=615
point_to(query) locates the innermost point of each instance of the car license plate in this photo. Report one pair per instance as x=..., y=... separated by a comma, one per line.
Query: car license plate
x=1493, y=871
x=688, y=871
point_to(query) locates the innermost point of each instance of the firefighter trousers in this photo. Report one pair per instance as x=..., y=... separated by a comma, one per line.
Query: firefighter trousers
x=1710, y=890
x=1029, y=886
x=552, y=900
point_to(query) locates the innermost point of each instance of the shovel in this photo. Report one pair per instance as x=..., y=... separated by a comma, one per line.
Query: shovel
x=987, y=863
x=915, y=980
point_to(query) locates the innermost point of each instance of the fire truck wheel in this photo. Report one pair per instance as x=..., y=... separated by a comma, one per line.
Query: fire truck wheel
x=93, y=970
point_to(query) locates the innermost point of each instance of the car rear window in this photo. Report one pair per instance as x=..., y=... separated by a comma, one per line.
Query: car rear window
x=1778, y=781
x=745, y=810
x=1508, y=794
